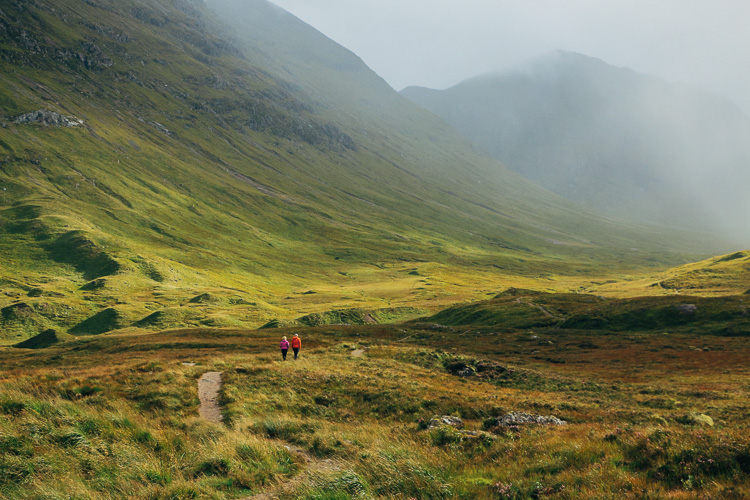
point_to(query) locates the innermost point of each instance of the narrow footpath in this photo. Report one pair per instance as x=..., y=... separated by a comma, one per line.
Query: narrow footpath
x=209, y=386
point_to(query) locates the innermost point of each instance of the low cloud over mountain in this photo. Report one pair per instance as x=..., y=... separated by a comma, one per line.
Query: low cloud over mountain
x=624, y=143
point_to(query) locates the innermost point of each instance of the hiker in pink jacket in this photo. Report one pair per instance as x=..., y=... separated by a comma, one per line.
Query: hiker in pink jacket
x=284, y=347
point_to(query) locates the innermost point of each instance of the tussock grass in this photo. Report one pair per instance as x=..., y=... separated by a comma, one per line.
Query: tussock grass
x=335, y=426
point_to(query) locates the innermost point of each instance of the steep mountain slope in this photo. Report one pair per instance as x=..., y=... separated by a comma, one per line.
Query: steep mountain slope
x=621, y=142
x=156, y=171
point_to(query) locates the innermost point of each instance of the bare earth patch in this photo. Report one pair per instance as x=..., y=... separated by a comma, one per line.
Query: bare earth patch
x=208, y=391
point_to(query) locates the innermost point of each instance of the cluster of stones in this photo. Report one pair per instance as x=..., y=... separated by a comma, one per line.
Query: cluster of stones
x=508, y=420
x=50, y=118
x=520, y=418
x=455, y=422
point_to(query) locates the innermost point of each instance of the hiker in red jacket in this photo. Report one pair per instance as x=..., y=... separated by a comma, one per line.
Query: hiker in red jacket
x=296, y=344
x=284, y=347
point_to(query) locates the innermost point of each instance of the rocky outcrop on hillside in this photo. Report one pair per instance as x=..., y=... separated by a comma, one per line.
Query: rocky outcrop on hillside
x=49, y=118
x=452, y=421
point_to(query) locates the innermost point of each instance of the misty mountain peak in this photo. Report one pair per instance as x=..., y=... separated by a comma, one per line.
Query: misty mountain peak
x=557, y=67
x=626, y=143
x=568, y=58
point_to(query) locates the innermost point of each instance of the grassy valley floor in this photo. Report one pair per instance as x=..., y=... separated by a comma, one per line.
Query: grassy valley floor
x=56, y=298
x=649, y=415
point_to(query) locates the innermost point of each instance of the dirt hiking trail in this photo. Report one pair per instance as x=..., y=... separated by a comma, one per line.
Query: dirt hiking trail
x=209, y=386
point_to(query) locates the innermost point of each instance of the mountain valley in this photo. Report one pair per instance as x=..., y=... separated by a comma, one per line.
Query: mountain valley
x=182, y=183
x=175, y=159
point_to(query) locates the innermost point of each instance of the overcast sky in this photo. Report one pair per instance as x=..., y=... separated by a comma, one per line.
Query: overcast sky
x=437, y=43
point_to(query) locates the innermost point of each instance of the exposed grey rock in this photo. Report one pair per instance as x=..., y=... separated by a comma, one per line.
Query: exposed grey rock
x=88, y=54
x=445, y=420
x=28, y=42
x=520, y=418
x=110, y=32
x=687, y=309
x=217, y=82
x=161, y=128
x=50, y=118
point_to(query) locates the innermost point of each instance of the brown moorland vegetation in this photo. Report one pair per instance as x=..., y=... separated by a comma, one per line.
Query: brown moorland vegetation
x=649, y=415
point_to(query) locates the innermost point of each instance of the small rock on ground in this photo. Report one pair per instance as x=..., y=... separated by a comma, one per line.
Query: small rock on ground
x=446, y=420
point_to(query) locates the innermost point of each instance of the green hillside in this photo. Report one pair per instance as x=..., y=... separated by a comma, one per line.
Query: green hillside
x=518, y=309
x=148, y=158
x=715, y=277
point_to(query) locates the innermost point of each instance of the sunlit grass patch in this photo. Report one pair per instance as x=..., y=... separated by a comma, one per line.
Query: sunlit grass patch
x=332, y=425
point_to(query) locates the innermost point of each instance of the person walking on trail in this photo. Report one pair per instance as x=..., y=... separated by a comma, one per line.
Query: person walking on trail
x=296, y=344
x=284, y=347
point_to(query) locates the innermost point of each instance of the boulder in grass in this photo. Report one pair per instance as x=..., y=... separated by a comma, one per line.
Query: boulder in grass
x=446, y=420
x=520, y=418
x=687, y=309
